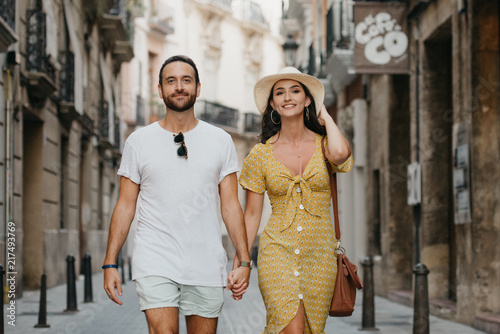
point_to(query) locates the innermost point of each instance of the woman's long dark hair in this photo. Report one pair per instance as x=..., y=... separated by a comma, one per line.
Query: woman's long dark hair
x=269, y=128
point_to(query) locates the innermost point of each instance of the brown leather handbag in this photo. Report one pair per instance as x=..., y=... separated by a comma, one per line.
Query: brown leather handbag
x=344, y=295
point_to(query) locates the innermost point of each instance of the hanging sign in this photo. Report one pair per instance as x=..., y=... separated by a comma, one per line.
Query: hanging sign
x=381, y=38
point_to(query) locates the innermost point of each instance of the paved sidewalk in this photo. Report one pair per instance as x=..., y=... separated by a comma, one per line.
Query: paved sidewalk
x=242, y=317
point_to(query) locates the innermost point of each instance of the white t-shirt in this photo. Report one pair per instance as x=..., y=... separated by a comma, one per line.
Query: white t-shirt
x=178, y=232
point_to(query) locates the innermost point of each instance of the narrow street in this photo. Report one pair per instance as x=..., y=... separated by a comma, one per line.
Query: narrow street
x=243, y=317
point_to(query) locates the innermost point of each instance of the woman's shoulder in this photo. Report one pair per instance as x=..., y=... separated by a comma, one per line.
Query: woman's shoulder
x=260, y=151
x=260, y=147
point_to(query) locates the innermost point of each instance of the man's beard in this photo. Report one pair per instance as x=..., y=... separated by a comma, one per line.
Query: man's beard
x=180, y=106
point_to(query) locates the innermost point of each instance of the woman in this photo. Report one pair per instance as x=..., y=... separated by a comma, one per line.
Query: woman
x=297, y=264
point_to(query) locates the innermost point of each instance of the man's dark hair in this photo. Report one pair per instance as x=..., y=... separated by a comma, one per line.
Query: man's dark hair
x=184, y=59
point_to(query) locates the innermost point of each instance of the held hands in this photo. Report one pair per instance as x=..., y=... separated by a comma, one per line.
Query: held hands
x=237, y=280
x=112, y=281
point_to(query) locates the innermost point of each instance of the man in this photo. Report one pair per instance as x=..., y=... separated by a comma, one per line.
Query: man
x=179, y=168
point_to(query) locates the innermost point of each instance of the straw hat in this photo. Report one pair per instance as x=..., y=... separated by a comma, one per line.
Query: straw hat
x=262, y=88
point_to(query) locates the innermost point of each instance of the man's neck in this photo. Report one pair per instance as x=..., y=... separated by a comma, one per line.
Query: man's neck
x=179, y=121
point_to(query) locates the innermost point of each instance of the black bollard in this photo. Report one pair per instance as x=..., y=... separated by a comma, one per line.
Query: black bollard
x=87, y=270
x=421, y=301
x=129, y=268
x=42, y=311
x=368, y=320
x=121, y=263
x=254, y=253
x=2, y=272
x=71, y=285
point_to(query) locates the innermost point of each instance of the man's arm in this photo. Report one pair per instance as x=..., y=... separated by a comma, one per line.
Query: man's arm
x=122, y=218
x=233, y=219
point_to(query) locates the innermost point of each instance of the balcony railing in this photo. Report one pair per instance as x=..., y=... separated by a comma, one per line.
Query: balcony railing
x=218, y=114
x=115, y=24
x=224, y=4
x=67, y=76
x=163, y=26
x=117, y=131
x=37, y=60
x=140, y=116
x=88, y=123
x=339, y=26
x=8, y=12
x=120, y=10
x=253, y=122
x=104, y=121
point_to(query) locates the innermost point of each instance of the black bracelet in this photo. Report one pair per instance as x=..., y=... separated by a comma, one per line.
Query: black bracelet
x=106, y=266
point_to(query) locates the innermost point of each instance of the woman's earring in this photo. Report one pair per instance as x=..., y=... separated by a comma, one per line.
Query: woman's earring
x=307, y=113
x=272, y=119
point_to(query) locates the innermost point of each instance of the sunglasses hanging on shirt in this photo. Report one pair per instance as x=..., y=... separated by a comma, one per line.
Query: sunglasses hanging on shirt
x=182, y=151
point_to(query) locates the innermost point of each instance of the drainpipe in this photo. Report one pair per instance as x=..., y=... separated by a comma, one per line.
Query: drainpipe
x=9, y=157
x=417, y=209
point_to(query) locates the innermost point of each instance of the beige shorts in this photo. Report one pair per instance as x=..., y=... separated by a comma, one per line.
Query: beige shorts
x=157, y=291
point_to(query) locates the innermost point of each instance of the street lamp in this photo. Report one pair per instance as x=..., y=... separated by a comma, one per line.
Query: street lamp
x=289, y=49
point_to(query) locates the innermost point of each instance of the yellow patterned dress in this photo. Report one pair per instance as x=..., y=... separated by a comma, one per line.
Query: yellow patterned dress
x=297, y=247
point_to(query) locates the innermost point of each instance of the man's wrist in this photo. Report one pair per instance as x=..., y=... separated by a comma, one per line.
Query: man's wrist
x=106, y=266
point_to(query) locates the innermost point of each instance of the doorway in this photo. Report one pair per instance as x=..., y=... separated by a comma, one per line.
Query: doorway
x=438, y=226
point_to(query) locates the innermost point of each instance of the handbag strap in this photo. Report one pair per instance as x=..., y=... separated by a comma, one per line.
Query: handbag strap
x=333, y=189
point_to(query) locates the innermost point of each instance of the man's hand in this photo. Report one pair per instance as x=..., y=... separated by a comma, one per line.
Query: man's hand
x=112, y=281
x=238, y=280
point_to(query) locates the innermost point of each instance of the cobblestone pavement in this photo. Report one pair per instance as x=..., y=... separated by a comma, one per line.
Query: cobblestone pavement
x=243, y=317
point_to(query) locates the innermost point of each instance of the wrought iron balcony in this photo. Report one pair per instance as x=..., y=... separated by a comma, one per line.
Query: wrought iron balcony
x=117, y=33
x=253, y=122
x=87, y=123
x=117, y=132
x=42, y=74
x=114, y=23
x=104, y=139
x=67, y=76
x=218, y=114
x=7, y=24
x=339, y=27
x=67, y=111
x=162, y=26
x=140, y=118
x=8, y=12
x=339, y=58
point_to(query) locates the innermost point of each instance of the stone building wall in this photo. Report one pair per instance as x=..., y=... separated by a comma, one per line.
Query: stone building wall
x=454, y=85
x=483, y=234
x=65, y=176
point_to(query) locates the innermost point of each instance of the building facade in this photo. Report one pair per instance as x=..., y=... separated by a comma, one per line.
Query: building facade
x=425, y=146
x=61, y=135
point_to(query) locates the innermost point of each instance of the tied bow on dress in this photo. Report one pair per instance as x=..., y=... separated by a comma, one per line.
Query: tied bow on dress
x=298, y=195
